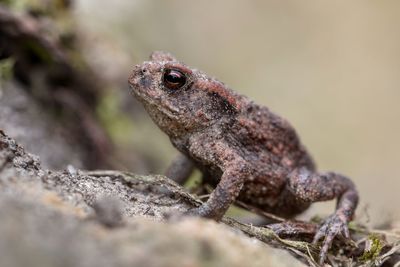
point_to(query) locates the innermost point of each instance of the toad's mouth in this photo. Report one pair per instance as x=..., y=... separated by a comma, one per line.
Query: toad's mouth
x=154, y=105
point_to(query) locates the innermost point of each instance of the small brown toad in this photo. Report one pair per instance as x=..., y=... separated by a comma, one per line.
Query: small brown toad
x=246, y=151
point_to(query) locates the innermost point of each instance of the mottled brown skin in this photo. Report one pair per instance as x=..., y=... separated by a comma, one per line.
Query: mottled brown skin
x=247, y=152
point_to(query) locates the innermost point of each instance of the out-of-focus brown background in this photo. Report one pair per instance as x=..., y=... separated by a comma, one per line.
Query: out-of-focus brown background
x=331, y=68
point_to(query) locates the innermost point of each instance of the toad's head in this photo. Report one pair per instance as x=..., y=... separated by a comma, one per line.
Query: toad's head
x=179, y=99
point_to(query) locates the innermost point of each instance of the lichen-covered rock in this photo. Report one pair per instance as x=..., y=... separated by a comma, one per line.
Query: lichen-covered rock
x=44, y=96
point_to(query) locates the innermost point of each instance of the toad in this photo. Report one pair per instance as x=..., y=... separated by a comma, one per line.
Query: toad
x=243, y=149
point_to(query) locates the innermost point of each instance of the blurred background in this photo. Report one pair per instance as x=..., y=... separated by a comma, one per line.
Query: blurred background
x=332, y=68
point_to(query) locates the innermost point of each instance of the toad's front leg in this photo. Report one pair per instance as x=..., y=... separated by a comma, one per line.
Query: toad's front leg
x=223, y=195
x=231, y=182
x=180, y=169
x=312, y=187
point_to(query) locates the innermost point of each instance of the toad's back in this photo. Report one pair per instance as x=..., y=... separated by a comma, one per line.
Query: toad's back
x=269, y=139
x=272, y=150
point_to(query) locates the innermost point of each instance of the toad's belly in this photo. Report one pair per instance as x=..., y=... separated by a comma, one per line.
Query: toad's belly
x=262, y=193
x=276, y=200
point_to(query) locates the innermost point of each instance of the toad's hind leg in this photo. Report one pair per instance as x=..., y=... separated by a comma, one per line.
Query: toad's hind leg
x=311, y=187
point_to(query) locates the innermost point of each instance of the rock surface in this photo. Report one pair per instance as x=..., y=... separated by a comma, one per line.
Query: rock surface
x=74, y=219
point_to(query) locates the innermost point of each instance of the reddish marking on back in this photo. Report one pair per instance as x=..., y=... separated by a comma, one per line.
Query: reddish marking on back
x=219, y=89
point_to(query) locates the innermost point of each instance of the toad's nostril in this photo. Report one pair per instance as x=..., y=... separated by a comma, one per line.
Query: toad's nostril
x=143, y=71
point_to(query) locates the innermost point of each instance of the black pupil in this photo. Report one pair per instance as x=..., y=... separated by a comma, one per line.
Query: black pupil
x=174, y=79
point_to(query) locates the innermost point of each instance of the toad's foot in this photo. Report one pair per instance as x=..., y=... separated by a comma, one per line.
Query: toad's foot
x=334, y=225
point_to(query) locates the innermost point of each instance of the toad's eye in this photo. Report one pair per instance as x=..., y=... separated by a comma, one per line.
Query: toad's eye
x=174, y=79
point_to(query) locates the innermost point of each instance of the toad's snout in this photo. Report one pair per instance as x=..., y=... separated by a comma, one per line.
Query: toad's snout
x=136, y=74
x=140, y=79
